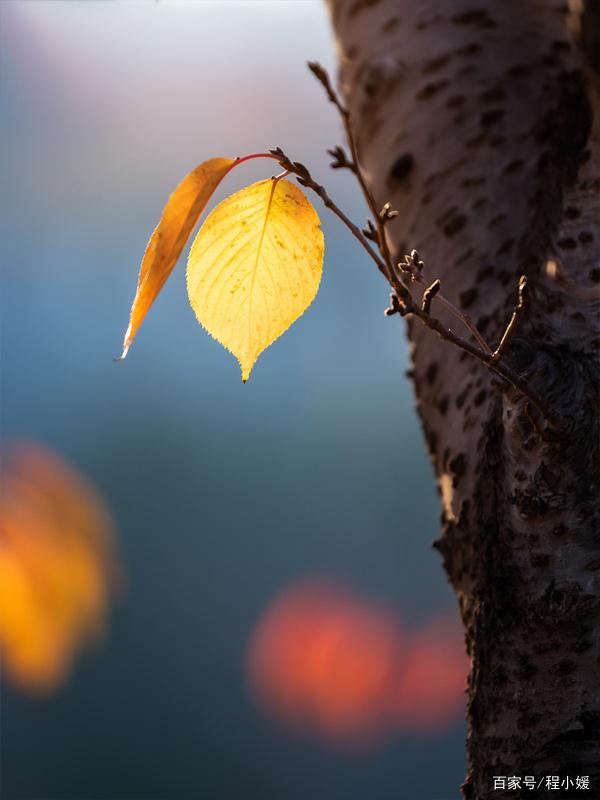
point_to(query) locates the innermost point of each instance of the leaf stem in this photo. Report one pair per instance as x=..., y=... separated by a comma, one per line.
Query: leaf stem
x=241, y=159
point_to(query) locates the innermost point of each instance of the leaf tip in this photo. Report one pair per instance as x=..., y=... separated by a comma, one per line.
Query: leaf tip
x=246, y=372
x=123, y=355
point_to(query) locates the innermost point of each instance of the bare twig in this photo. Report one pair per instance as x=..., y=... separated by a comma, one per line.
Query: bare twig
x=340, y=159
x=403, y=303
x=387, y=213
x=413, y=267
x=500, y=368
x=395, y=306
x=401, y=299
x=516, y=316
x=370, y=231
x=305, y=179
x=462, y=317
x=321, y=74
x=428, y=296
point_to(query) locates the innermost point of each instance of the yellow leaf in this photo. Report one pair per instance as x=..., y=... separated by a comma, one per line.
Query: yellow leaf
x=178, y=219
x=255, y=267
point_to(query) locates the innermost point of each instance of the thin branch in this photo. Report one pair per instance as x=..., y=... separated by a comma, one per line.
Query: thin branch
x=370, y=231
x=500, y=368
x=340, y=159
x=516, y=316
x=428, y=296
x=413, y=267
x=403, y=303
x=386, y=213
x=465, y=319
x=305, y=179
x=321, y=74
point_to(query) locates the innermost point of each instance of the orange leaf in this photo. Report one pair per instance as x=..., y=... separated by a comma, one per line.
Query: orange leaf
x=178, y=219
x=57, y=566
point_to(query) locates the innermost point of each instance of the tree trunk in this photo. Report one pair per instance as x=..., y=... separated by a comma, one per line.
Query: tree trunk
x=475, y=119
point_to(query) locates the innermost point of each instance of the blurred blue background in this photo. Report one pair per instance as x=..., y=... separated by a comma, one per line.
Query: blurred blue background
x=223, y=493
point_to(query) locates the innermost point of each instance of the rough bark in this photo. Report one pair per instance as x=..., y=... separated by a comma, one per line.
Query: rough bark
x=478, y=121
